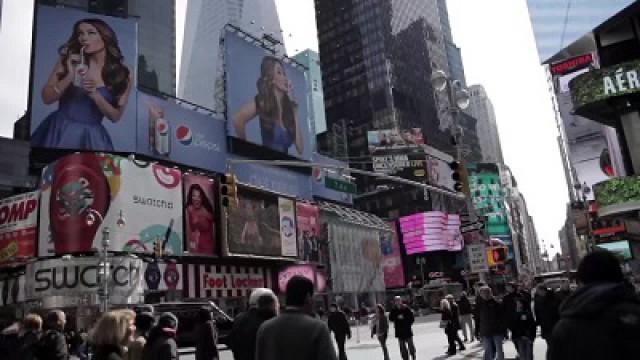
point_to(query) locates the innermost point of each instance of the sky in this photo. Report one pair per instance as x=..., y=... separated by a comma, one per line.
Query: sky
x=498, y=50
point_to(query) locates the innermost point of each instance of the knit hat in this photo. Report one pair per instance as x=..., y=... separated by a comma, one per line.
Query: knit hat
x=168, y=320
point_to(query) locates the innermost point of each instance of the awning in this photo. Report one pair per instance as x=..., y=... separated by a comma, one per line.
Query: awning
x=354, y=216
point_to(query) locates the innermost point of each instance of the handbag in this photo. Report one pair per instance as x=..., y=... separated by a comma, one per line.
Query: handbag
x=444, y=324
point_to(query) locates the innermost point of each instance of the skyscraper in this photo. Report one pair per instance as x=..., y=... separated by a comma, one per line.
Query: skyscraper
x=311, y=60
x=200, y=69
x=481, y=108
x=558, y=23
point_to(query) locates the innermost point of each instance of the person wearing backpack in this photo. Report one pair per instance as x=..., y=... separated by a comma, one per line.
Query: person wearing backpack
x=601, y=320
x=53, y=344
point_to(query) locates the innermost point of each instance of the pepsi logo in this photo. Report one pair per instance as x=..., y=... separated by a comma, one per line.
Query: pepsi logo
x=184, y=135
x=317, y=174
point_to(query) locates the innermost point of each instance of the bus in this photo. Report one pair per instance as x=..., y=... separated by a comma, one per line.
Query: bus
x=555, y=279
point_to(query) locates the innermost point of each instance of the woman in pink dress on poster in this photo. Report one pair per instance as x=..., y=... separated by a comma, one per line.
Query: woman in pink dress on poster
x=200, y=222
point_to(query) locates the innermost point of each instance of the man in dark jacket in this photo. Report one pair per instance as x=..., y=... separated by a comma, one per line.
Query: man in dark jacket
x=295, y=334
x=263, y=305
x=161, y=344
x=339, y=324
x=492, y=324
x=402, y=318
x=53, y=344
x=466, y=321
x=547, y=310
x=206, y=336
x=523, y=327
x=31, y=328
x=600, y=320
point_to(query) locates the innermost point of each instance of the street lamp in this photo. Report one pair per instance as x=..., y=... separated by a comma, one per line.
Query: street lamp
x=93, y=216
x=585, y=190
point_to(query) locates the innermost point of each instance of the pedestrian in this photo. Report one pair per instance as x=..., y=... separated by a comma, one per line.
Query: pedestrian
x=339, y=325
x=523, y=327
x=144, y=323
x=491, y=323
x=111, y=335
x=295, y=334
x=10, y=337
x=564, y=292
x=466, y=320
x=206, y=336
x=29, y=336
x=161, y=344
x=601, y=319
x=381, y=329
x=547, y=310
x=53, y=344
x=451, y=324
x=263, y=305
x=402, y=318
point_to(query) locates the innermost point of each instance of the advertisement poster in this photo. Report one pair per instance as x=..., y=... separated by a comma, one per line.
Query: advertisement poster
x=407, y=166
x=168, y=131
x=308, y=221
x=18, y=224
x=286, y=210
x=438, y=171
x=254, y=227
x=266, y=99
x=356, y=259
x=84, y=81
x=140, y=203
x=80, y=275
x=391, y=258
x=307, y=271
x=488, y=197
x=199, y=215
x=220, y=281
x=162, y=276
x=391, y=139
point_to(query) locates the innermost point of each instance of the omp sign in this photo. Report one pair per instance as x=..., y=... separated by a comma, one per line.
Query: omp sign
x=17, y=211
x=621, y=81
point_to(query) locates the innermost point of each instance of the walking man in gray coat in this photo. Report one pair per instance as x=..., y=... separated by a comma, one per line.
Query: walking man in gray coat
x=295, y=334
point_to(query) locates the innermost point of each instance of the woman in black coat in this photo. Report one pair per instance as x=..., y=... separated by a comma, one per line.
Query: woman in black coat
x=206, y=336
x=451, y=324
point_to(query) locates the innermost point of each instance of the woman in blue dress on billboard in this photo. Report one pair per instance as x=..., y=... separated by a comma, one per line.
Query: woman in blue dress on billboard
x=89, y=82
x=275, y=107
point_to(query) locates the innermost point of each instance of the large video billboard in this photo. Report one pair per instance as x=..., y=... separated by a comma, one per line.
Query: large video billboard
x=488, y=197
x=266, y=99
x=391, y=258
x=84, y=81
x=169, y=131
x=140, y=202
x=394, y=139
x=308, y=221
x=263, y=224
x=200, y=215
x=18, y=224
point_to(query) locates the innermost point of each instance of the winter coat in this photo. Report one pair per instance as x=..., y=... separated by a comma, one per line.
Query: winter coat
x=491, y=318
x=600, y=321
x=136, y=348
x=522, y=322
x=402, y=319
x=161, y=345
x=26, y=346
x=547, y=313
x=242, y=339
x=451, y=317
x=380, y=326
x=464, y=306
x=52, y=346
x=206, y=341
x=339, y=324
x=294, y=335
x=108, y=352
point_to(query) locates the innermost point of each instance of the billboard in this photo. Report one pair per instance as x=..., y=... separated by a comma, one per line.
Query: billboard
x=307, y=271
x=438, y=170
x=18, y=224
x=84, y=81
x=274, y=178
x=488, y=197
x=308, y=221
x=356, y=259
x=407, y=166
x=200, y=215
x=391, y=258
x=431, y=231
x=162, y=276
x=167, y=130
x=140, y=204
x=221, y=281
x=266, y=99
x=619, y=248
x=262, y=225
x=394, y=139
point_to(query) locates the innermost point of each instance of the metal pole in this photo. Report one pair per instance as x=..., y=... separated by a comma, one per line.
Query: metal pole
x=105, y=270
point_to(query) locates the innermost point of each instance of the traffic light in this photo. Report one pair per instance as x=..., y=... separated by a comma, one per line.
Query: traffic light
x=460, y=176
x=497, y=255
x=229, y=190
x=157, y=248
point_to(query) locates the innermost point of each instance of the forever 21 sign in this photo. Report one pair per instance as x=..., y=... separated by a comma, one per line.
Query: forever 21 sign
x=57, y=277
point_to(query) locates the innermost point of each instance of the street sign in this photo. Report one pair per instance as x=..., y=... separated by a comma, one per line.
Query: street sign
x=340, y=185
x=465, y=228
x=477, y=258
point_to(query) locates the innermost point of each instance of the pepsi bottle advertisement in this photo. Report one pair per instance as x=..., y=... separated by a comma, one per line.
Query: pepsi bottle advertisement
x=168, y=131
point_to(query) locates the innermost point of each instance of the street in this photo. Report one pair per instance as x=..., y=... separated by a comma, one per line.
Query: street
x=430, y=341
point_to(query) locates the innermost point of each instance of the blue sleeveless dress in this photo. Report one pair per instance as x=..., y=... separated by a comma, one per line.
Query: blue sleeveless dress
x=77, y=124
x=281, y=140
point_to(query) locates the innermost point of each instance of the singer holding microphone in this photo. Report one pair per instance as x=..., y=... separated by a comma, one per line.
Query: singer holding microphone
x=89, y=82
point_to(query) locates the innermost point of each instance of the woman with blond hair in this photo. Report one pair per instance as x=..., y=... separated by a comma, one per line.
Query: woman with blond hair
x=451, y=324
x=112, y=333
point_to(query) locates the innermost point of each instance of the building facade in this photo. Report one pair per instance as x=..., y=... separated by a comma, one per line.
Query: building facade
x=311, y=60
x=201, y=69
x=481, y=108
x=558, y=23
